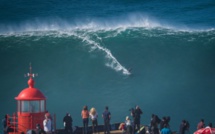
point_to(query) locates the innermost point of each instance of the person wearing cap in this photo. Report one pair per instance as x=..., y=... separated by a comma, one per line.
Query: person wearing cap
x=47, y=125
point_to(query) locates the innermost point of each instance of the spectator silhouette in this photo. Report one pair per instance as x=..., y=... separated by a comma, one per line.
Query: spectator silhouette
x=67, y=121
x=106, y=116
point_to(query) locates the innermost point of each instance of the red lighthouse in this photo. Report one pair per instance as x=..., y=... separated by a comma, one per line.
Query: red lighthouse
x=31, y=106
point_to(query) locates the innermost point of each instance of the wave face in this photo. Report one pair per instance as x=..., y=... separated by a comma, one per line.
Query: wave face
x=120, y=53
x=155, y=68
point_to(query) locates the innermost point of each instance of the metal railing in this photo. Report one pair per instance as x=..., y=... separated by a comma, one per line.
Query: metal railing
x=14, y=125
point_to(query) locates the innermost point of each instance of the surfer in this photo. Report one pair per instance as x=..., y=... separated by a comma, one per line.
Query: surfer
x=129, y=70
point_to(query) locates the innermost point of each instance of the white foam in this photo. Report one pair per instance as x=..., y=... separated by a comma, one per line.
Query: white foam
x=82, y=29
x=133, y=20
x=112, y=62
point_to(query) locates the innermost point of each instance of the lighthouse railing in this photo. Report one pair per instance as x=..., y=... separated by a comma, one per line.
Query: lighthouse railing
x=14, y=126
x=12, y=123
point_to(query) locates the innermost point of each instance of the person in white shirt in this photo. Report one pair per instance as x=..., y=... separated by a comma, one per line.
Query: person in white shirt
x=93, y=117
x=47, y=125
x=128, y=125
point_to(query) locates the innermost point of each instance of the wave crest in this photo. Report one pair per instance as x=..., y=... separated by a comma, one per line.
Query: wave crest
x=133, y=20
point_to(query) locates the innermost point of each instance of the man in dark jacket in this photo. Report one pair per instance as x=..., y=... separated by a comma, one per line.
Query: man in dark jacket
x=137, y=113
x=67, y=121
x=106, y=116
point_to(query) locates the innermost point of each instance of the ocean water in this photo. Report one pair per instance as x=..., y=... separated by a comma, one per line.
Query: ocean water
x=159, y=55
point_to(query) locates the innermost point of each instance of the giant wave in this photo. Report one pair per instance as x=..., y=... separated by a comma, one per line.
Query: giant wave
x=92, y=32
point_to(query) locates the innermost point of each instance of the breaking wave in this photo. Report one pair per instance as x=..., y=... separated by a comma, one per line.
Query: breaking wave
x=92, y=32
x=134, y=20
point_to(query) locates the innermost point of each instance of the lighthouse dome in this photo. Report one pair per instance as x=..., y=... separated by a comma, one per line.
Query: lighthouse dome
x=30, y=93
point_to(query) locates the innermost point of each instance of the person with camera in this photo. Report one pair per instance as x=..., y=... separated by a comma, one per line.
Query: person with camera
x=155, y=120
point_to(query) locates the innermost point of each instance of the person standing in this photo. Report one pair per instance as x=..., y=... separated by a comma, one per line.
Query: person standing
x=163, y=121
x=85, y=118
x=137, y=113
x=201, y=124
x=128, y=124
x=165, y=130
x=184, y=126
x=47, y=125
x=5, y=123
x=50, y=117
x=93, y=117
x=67, y=121
x=106, y=115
